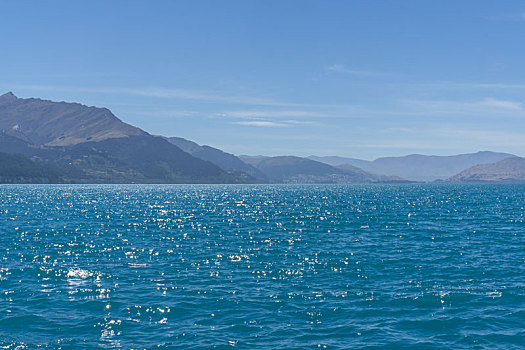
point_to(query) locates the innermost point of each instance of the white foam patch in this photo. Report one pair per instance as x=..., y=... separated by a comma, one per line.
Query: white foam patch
x=79, y=273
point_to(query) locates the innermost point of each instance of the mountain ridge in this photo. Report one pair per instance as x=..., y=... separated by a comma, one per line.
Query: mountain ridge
x=90, y=144
x=293, y=169
x=508, y=170
x=223, y=160
x=419, y=167
x=50, y=123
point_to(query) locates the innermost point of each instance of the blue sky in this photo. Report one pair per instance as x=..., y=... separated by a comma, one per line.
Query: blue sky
x=351, y=78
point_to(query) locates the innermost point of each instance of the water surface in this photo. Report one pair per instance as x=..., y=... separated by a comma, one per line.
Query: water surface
x=266, y=267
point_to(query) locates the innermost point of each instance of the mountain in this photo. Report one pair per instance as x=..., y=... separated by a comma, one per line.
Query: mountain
x=50, y=123
x=252, y=160
x=371, y=176
x=136, y=159
x=430, y=168
x=73, y=143
x=419, y=167
x=15, y=168
x=90, y=144
x=291, y=169
x=506, y=170
x=336, y=161
x=223, y=160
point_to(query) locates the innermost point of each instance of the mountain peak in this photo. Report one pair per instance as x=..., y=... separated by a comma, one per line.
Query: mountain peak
x=8, y=97
x=51, y=123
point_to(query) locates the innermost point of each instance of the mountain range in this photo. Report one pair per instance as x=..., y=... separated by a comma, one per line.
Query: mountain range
x=91, y=145
x=60, y=142
x=418, y=167
x=225, y=161
x=291, y=169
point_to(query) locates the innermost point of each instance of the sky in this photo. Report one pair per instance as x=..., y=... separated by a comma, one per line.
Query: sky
x=360, y=79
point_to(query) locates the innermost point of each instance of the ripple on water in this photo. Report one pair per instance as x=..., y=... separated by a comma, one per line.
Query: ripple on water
x=337, y=267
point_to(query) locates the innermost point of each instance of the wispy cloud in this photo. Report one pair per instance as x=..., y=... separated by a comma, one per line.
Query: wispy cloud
x=253, y=107
x=500, y=104
x=300, y=122
x=164, y=93
x=399, y=129
x=276, y=114
x=357, y=72
x=260, y=123
x=267, y=111
x=468, y=85
x=478, y=107
x=165, y=113
x=269, y=123
x=494, y=138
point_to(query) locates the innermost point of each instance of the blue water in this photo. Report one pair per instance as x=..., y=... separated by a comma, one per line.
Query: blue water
x=262, y=267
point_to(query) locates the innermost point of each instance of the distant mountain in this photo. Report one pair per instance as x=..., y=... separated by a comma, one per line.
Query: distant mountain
x=223, y=160
x=335, y=161
x=430, y=168
x=507, y=170
x=371, y=176
x=90, y=144
x=290, y=169
x=252, y=160
x=420, y=167
x=73, y=143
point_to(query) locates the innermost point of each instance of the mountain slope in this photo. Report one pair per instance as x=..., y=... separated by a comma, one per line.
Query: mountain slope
x=51, y=123
x=15, y=168
x=142, y=159
x=371, y=177
x=336, y=161
x=419, y=167
x=507, y=170
x=223, y=160
x=91, y=145
x=290, y=169
x=137, y=159
x=252, y=160
x=429, y=168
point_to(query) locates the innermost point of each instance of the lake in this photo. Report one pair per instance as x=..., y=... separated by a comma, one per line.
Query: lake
x=262, y=266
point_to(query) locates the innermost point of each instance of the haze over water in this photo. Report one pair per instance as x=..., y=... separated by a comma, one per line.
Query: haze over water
x=263, y=266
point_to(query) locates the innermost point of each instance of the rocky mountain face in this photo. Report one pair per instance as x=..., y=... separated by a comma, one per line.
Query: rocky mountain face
x=50, y=123
x=420, y=167
x=511, y=170
x=91, y=145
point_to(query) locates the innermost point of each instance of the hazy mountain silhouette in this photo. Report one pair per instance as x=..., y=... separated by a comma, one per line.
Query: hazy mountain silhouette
x=421, y=167
x=507, y=170
x=70, y=142
x=291, y=169
x=252, y=160
x=336, y=161
x=371, y=176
